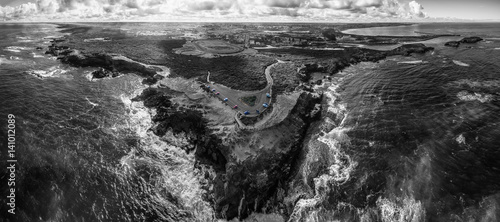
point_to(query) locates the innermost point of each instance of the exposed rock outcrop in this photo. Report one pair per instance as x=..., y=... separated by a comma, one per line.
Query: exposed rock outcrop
x=110, y=64
x=335, y=65
x=473, y=39
x=103, y=73
x=452, y=44
x=408, y=49
x=247, y=184
x=467, y=40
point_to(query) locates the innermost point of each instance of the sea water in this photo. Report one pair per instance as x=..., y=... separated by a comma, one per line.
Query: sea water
x=417, y=138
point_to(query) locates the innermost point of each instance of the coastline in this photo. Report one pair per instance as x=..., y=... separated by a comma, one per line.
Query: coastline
x=238, y=160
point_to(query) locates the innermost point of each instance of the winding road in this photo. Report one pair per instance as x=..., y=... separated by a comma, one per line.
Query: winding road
x=234, y=95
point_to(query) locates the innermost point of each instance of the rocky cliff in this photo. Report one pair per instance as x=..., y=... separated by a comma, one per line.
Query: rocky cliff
x=250, y=184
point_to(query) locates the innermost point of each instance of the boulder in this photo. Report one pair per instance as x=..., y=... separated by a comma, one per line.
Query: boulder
x=102, y=73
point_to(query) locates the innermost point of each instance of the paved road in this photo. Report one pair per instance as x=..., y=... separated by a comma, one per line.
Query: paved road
x=234, y=95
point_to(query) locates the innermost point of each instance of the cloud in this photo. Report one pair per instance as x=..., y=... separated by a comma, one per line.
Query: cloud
x=416, y=9
x=326, y=10
x=19, y=12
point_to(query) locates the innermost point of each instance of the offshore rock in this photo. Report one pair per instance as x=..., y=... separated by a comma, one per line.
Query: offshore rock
x=473, y=39
x=335, y=65
x=408, y=49
x=452, y=44
x=468, y=40
x=102, y=73
x=110, y=62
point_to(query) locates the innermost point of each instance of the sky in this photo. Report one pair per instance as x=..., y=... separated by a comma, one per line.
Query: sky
x=250, y=10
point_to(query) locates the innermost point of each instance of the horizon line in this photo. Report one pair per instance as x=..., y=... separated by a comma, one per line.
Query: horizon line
x=267, y=21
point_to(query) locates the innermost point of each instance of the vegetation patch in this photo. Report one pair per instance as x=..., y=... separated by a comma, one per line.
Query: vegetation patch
x=217, y=46
x=249, y=100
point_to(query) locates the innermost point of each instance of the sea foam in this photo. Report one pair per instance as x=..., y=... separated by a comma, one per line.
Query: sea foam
x=413, y=62
x=54, y=71
x=176, y=173
x=460, y=63
x=466, y=96
x=16, y=48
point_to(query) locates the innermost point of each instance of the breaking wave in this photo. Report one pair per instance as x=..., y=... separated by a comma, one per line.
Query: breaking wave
x=54, y=71
x=176, y=172
x=330, y=147
x=460, y=63
x=16, y=48
x=413, y=62
x=400, y=210
x=466, y=96
x=489, y=84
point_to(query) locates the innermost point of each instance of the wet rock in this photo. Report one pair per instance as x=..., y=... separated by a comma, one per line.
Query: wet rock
x=149, y=81
x=473, y=39
x=56, y=40
x=468, y=40
x=57, y=50
x=452, y=44
x=408, y=49
x=103, y=73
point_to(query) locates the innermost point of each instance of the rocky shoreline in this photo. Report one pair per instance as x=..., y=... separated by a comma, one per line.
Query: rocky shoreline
x=240, y=186
x=108, y=64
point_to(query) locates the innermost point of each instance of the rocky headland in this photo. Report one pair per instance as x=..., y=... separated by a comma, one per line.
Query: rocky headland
x=252, y=166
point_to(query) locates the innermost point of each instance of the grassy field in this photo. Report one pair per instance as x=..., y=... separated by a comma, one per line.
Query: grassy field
x=285, y=77
x=217, y=46
x=249, y=100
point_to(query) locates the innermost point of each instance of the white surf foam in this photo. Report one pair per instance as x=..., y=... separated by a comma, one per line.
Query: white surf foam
x=466, y=96
x=460, y=63
x=460, y=139
x=489, y=84
x=90, y=102
x=15, y=58
x=413, y=62
x=401, y=209
x=330, y=49
x=54, y=71
x=12, y=50
x=16, y=48
x=97, y=40
x=37, y=55
x=176, y=172
x=340, y=165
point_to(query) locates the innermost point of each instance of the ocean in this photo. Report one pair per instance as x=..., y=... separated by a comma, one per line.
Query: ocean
x=418, y=136
x=84, y=151
x=486, y=30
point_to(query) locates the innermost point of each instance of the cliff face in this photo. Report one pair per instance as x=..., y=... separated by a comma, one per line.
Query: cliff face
x=242, y=185
x=248, y=183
